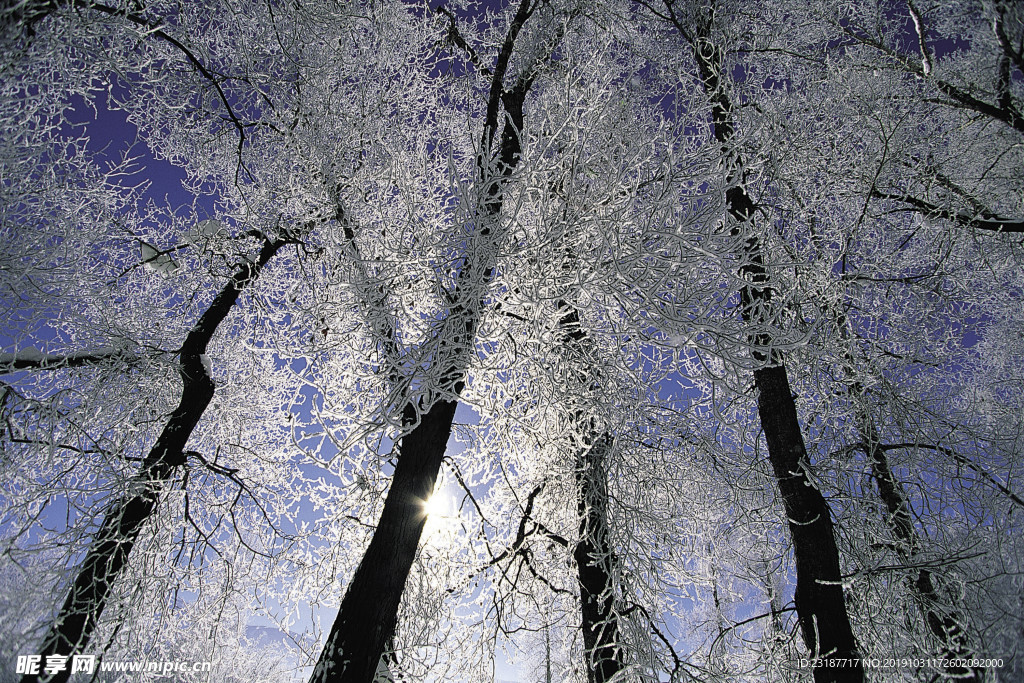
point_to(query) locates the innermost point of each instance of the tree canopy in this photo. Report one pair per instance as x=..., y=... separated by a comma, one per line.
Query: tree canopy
x=613, y=341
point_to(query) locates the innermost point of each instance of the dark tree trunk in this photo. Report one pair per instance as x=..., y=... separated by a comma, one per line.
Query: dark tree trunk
x=595, y=561
x=594, y=556
x=73, y=627
x=820, y=603
x=367, y=619
x=944, y=623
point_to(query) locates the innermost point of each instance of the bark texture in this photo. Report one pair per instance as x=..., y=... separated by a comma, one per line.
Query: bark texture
x=73, y=627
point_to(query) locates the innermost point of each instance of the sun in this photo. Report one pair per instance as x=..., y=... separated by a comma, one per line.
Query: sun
x=442, y=521
x=436, y=506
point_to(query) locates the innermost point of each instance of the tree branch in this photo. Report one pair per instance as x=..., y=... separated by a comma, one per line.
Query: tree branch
x=926, y=57
x=993, y=223
x=1008, y=115
x=1016, y=56
x=498, y=79
x=455, y=38
x=32, y=359
x=156, y=30
x=963, y=460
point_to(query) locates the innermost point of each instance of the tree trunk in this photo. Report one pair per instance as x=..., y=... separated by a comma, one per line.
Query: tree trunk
x=820, y=603
x=941, y=620
x=367, y=619
x=368, y=616
x=74, y=625
x=594, y=556
x=595, y=561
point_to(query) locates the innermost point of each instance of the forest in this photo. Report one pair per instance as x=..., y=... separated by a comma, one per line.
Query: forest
x=522, y=341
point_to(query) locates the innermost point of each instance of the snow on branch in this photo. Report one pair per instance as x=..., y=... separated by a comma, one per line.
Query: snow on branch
x=34, y=359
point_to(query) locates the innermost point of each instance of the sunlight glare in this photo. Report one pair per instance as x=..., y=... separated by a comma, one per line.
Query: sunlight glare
x=442, y=521
x=436, y=506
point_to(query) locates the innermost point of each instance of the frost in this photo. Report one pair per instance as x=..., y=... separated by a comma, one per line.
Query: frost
x=158, y=261
x=678, y=341
x=205, y=231
x=30, y=354
x=383, y=673
x=34, y=356
x=209, y=228
x=584, y=303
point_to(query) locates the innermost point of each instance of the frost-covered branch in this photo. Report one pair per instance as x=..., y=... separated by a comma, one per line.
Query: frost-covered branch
x=989, y=221
x=34, y=359
x=155, y=28
x=72, y=629
x=922, y=41
x=455, y=37
x=1004, y=110
x=962, y=460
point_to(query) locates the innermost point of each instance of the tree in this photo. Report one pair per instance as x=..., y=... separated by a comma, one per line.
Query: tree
x=212, y=256
x=366, y=620
x=125, y=516
x=633, y=243
x=915, y=108
x=819, y=597
x=72, y=628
